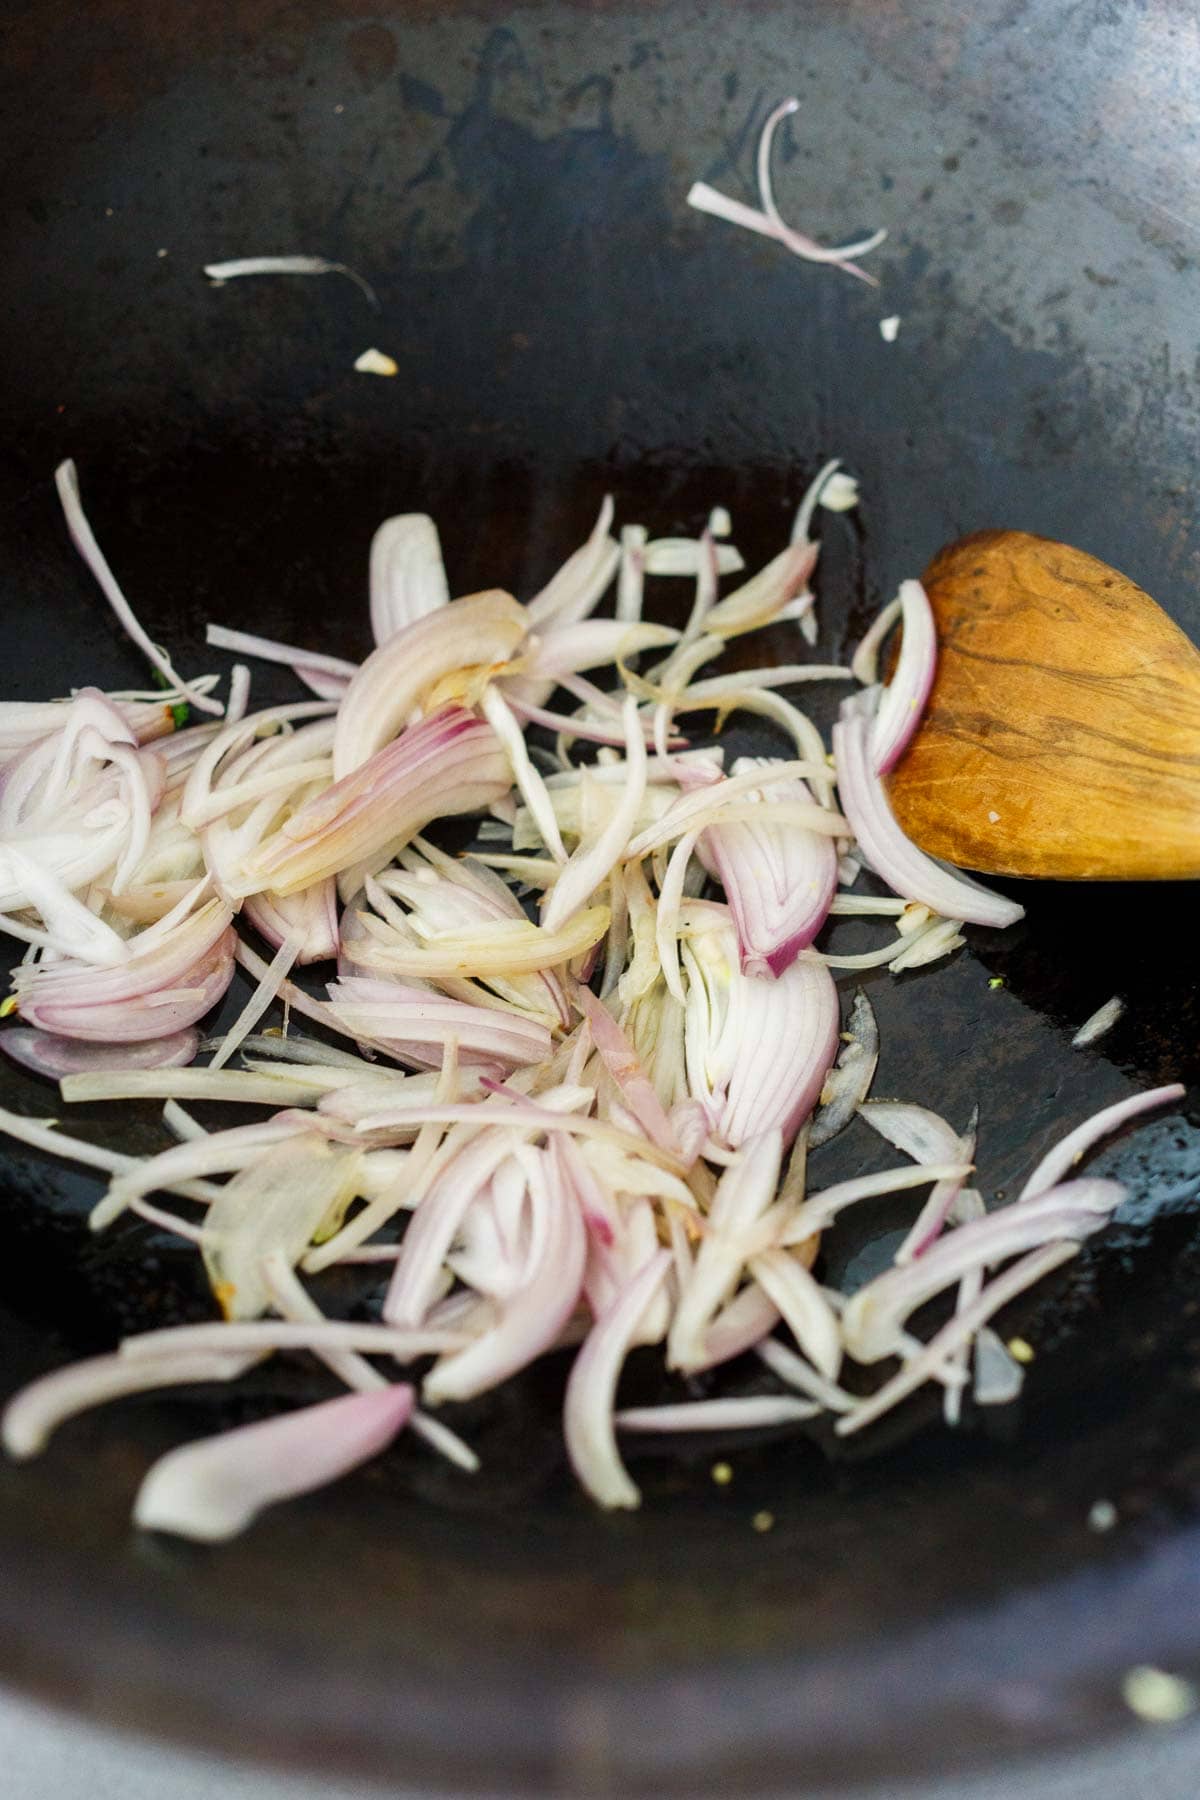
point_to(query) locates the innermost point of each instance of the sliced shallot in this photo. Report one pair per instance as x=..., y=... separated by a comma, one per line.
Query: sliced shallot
x=212, y=1489
x=588, y=1424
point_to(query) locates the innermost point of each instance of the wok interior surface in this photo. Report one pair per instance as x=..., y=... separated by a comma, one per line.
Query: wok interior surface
x=512, y=184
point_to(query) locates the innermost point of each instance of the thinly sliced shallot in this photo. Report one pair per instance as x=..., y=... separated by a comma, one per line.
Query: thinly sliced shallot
x=753, y=1412
x=44, y=1054
x=212, y=1489
x=769, y=221
x=903, y=700
x=907, y=870
x=37, y=1410
x=407, y=575
x=588, y=1424
x=540, y=1133
x=1075, y=1146
x=66, y=479
x=461, y=642
x=779, y=880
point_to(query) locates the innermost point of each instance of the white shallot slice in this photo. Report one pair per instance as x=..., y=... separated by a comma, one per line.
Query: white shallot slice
x=968, y=1207
x=293, y=1300
x=38, y=1409
x=175, y=972
x=592, y=1385
x=449, y=763
x=864, y=664
x=625, y=1066
x=40, y=1134
x=66, y=480
x=670, y=897
x=1071, y=1149
x=373, y=361
x=707, y=199
x=707, y=571
x=214, y=1488
x=767, y=595
x=292, y=656
x=769, y=221
x=798, y=1373
x=942, y=1201
x=460, y=644
x=309, y=917
x=764, y=703
x=802, y=1306
x=234, y=267
x=687, y=556
x=927, y=1138
x=903, y=699
x=622, y=1235
x=803, y=246
x=907, y=870
x=592, y=644
x=218, y=1153
x=56, y=1057
x=739, y=1326
x=1101, y=1021
x=25, y=722
x=407, y=574
x=840, y=493
x=414, y=1024
x=751, y=1412
x=957, y=1331
x=929, y=943
x=276, y=1203
x=258, y=1002
x=69, y=855
x=234, y=740
x=744, y=1193
x=875, y=1315
x=779, y=880
x=238, y=702
x=593, y=860
x=525, y=776
x=820, y=1209
x=999, y=1377
x=727, y=688
x=919, y=1133
x=491, y=951
x=708, y=795
x=258, y=1337
x=812, y=497
x=437, y=1219
x=631, y=574
x=576, y=589
x=438, y=1435
x=530, y=1320
x=758, y=1050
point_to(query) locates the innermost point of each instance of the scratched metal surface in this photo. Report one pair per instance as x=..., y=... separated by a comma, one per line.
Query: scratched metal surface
x=512, y=185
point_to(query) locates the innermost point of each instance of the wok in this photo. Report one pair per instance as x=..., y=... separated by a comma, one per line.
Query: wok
x=511, y=180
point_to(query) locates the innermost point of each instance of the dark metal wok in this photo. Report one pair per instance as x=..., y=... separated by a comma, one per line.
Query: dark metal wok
x=512, y=182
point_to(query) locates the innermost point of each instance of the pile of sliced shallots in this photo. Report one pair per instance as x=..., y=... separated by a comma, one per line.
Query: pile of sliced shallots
x=556, y=1092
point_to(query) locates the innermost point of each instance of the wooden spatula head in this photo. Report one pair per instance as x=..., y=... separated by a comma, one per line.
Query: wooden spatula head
x=1062, y=737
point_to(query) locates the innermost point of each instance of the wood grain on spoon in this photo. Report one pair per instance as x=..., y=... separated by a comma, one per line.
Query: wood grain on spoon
x=1062, y=736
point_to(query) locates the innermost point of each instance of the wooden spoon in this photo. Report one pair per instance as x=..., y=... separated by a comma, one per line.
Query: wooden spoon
x=1062, y=737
